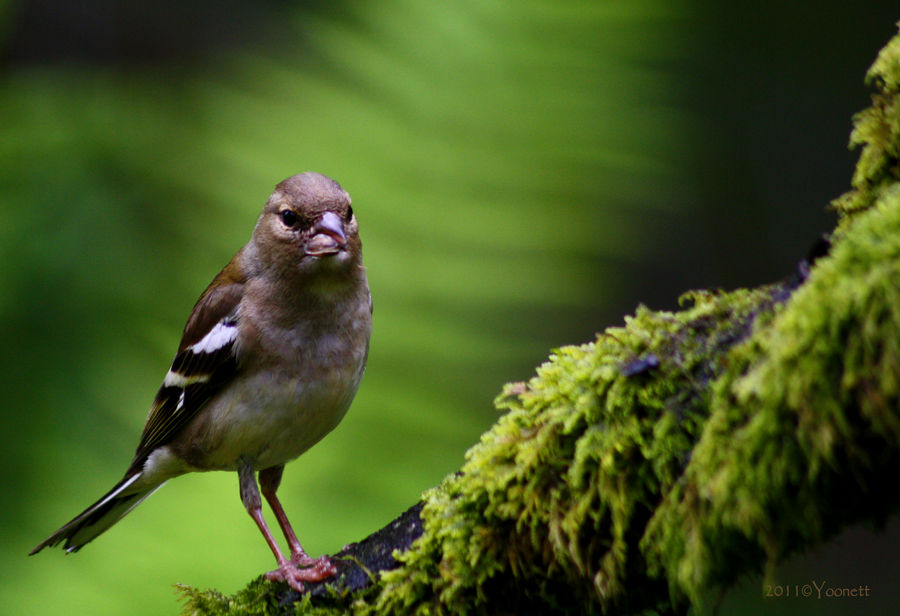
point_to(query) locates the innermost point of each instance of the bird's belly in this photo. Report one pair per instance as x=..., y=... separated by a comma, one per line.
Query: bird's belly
x=273, y=420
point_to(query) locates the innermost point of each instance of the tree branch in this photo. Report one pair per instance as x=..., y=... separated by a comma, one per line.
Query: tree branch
x=653, y=467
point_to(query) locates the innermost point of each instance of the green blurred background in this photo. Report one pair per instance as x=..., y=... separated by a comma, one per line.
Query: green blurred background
x=525, y=173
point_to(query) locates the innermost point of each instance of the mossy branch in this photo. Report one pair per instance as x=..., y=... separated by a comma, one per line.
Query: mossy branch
x=651, y=468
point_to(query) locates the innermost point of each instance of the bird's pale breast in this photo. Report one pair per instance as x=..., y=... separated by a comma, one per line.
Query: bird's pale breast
x=270, y=415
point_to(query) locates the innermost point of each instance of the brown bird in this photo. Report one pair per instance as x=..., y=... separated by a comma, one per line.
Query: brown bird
x=268, y=364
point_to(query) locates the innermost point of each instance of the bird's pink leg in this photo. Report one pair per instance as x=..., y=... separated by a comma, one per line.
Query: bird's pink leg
x=269, y=480
x=288, y=571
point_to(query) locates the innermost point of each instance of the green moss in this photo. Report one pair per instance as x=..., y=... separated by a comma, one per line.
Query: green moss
x=560, y=489
x=251, y=601
x=803, y=422
x=877, y=130
x=649, y=469
x=259, y=598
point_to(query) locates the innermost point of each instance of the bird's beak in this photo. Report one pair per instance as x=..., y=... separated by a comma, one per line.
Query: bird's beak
x=328, y=236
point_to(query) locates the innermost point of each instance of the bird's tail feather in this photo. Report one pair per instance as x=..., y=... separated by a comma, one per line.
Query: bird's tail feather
x=97, y=518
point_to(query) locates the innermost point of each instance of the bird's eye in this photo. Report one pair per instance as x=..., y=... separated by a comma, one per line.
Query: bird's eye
x=289, y=218
x=349, y=213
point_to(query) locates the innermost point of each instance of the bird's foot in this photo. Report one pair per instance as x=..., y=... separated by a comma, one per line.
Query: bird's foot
x=307, y=570
x=322, y=565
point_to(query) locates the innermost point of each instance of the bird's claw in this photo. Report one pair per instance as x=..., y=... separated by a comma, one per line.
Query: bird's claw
x=322, y=564
x=303, y=569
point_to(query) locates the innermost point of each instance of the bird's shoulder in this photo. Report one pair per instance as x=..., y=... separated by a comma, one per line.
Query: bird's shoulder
x=217, y=301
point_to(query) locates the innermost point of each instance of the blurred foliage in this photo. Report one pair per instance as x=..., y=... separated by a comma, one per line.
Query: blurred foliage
x=516, y=169
x=495, y=157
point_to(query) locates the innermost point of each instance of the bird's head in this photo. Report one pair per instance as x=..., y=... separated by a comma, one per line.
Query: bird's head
x=308, y=226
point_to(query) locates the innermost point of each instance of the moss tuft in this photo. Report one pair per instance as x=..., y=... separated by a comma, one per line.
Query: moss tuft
x=253, y=600
x=877, y=130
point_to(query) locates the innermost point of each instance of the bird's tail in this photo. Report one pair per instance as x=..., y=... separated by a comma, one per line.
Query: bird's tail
x=97, y=518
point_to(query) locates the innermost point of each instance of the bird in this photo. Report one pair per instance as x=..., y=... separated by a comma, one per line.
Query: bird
x=269, y=362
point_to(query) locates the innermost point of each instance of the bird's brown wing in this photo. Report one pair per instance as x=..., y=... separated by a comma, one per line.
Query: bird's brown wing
x=204, y=364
